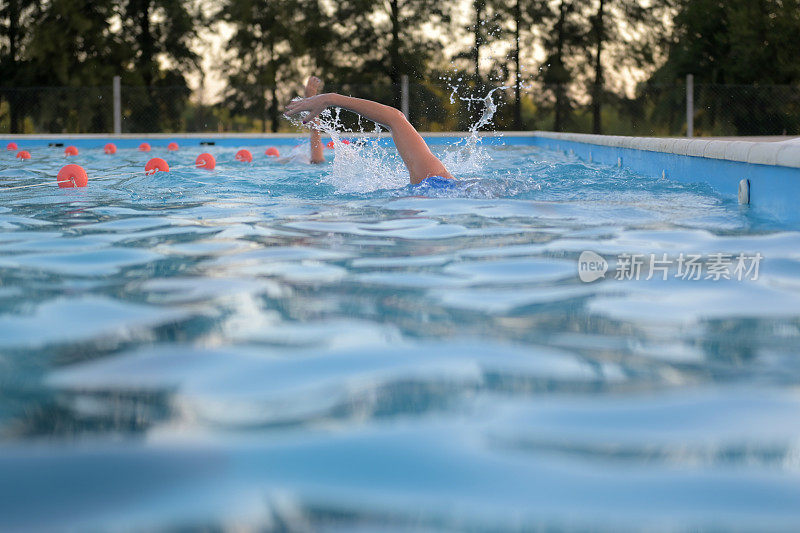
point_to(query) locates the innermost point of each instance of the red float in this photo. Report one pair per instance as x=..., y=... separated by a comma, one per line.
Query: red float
x=172, y=147
x=244, y=156
x=70, y=150
x=12, y=146
x=343, y=141
x=156, y=165
x=144, y=147
x=110, y=148
x=24, y=154
x=205, y=161
x=72, y=176
x=272, y=152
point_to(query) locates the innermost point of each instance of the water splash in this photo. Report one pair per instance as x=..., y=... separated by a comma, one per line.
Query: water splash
x=363, y=165
x=370, y=162
x=469, y=156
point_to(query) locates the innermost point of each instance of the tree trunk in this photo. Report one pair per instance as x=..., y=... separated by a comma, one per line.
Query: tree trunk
x=274, y=108
x=558, y=124
x=476, y=50
x=262, y=92
x=517, y=73
x=273, y=90
x=597, y=92
x=146, y=42
x=149, y=119
x=13, y=29
x=394, y=53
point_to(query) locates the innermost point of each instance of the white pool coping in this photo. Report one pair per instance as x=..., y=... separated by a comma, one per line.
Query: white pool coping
x=779, y=153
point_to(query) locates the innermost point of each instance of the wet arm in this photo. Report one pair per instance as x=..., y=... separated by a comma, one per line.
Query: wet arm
x=419, y=159
x=317, y=150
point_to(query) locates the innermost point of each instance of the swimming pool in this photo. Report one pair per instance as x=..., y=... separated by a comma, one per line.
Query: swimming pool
x=282, y=346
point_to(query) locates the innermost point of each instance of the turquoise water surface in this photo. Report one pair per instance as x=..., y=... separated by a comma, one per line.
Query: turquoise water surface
x=280, y=346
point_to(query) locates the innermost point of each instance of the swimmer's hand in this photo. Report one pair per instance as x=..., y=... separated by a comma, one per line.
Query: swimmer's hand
x=313, y=106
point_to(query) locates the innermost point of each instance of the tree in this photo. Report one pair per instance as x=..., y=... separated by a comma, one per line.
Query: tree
x=157, y=36
x=735, y=42
x=479, y=36
x=268, y=42
x=750, y=44
x=598, y=25
x=318, y=37
x=16, y=16
x=77, y=44
x=564, y=37
x=68, y=46
x=629, y=31
x=389, y=39
x=521, y=19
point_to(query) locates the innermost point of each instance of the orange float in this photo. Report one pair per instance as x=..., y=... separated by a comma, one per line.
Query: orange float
x=12, y=146
x=343, y=141
x=156, y=165
x=70, y=150
x=110, y=148
x=173, y=147
x=72, y=176
x=244, y=156
x=272, y=152
x=144, y=147
x=24, y=154
x=205, y=161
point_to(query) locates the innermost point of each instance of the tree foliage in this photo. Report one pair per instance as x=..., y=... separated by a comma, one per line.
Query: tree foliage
x=382, y=40
x=749, y=45
x=267, y=43
x=574, y=55
x=85, y=43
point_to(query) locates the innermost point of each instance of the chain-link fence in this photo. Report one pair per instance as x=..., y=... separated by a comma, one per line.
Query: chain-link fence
x=56, y=109
x=654, y=110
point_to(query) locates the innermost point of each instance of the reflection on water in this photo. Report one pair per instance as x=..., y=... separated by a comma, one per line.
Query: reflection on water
x=270, y=346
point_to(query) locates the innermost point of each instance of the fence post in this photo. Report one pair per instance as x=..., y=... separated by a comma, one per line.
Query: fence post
x=690, y=105
x=117, y=106
x=404, y=96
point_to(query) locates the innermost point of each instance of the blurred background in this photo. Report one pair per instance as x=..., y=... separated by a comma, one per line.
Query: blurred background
x=604, y=66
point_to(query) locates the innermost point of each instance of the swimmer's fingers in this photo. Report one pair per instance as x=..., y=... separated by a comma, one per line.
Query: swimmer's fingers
x=291, y=108
x=313, y=106
x=297, y=106
x=308, y=118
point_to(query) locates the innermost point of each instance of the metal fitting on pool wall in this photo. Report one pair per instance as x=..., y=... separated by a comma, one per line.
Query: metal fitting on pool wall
x=744, y=192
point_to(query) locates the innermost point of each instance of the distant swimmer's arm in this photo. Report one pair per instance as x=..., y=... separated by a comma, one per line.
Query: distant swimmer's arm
x=313, y=86
x=419, y=159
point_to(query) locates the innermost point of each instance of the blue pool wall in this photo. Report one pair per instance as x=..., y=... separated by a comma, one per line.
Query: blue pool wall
x=773, y=168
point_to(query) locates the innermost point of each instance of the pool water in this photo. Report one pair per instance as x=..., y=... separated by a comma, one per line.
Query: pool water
x=283, y=346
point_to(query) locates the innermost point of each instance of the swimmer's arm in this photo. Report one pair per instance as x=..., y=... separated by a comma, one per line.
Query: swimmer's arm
x=419, y=159
x=313, y=86
x=317, y=150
